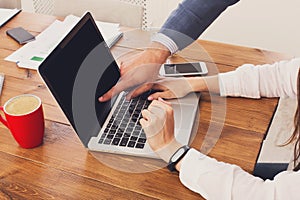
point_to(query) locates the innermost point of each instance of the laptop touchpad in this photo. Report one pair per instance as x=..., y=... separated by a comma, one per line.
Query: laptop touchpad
x=184, y=115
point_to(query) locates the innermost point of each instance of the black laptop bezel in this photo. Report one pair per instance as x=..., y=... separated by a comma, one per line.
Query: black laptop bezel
x=42, y=68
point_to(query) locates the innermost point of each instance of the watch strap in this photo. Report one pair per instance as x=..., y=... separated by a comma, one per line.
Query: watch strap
x=178, y=155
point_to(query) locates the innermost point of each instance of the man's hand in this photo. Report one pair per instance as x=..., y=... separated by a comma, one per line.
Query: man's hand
x=140, y=69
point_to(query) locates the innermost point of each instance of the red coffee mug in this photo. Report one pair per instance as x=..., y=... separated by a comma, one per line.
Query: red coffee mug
x=28, y=127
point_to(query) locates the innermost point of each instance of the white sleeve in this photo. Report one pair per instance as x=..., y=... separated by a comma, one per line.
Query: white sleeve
x=217, y=180
x=269, y=80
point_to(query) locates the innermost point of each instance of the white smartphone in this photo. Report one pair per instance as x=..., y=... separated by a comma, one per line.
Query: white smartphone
x=183, y=69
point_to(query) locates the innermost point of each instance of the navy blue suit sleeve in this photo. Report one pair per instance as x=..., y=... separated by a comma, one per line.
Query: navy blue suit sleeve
x=191, y=18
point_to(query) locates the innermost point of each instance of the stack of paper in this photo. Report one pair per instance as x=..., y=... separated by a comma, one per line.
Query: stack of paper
x=32, y=54
x=110, y=32
x=278, y=134
x=6, y=14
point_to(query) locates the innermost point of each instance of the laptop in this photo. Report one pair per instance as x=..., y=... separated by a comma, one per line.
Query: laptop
x=81, y=69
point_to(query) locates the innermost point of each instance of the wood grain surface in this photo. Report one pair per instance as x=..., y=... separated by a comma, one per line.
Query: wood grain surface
x=63, y=169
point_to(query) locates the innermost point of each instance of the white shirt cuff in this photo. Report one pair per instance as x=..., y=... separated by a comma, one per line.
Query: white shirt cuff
x=166, y=41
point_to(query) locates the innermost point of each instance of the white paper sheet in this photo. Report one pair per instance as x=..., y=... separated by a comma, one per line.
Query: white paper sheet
x=33, y=53
x=6, y=14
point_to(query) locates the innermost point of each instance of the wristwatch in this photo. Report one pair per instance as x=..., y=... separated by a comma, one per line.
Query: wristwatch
x=177, y=156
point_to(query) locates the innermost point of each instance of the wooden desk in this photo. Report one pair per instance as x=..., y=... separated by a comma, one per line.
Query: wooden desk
x=63, y=169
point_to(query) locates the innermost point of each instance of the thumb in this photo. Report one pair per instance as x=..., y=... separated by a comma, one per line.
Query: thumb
x=144, y=123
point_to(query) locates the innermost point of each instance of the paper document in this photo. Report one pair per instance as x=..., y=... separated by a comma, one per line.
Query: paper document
x=34, y=53
x=110, y=32
x=6, y=14
x=279, y=132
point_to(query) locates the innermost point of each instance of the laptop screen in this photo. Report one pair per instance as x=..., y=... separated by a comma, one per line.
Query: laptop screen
x=78, y=71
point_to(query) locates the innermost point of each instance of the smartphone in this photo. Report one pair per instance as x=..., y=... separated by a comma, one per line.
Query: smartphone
x=20, y=35
x=184, y=69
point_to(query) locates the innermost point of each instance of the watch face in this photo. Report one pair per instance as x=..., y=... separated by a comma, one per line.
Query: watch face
x=177, y=155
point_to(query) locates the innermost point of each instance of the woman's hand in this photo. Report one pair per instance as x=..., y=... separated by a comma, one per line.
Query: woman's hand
x=171, y=88
x=158, y=124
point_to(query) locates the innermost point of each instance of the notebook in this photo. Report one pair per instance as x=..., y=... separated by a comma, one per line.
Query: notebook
x=80, y=70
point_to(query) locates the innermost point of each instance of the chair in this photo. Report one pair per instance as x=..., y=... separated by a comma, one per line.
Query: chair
x=10, y=3
x=43, y=6
x=114, y=11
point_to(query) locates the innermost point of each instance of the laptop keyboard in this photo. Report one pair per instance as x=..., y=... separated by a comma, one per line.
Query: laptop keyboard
x=124, y=128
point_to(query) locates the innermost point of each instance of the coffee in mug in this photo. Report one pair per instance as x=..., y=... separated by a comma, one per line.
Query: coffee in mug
x=25, y=119
x=22, y=105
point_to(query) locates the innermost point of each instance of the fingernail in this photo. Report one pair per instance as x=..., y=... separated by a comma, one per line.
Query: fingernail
x=150, y=98
x=100, y=99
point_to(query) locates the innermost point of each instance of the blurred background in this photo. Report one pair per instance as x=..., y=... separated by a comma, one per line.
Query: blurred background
x=266, y=24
